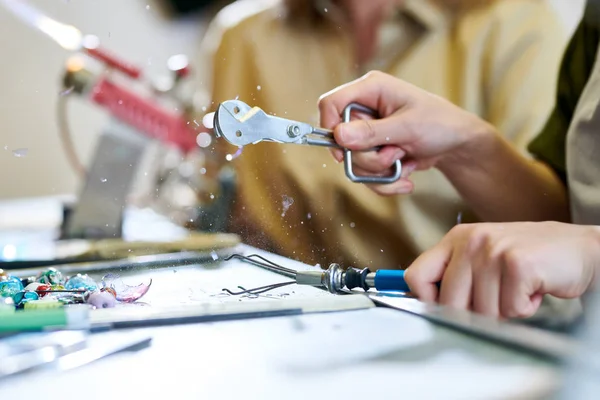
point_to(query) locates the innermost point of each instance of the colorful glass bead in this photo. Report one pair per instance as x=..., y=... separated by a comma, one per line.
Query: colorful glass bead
x=10, y=286
x=41, y=288
x=28, y=281
x=3, y=275
x=32, y=287
x=57, y=287
x=102, y=300
x=81, y=282
x=51, y=276
x=23, y=297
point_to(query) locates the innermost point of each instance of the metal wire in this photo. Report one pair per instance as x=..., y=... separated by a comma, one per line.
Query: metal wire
x=61, y=291
x=262, y=262
x=258, y=290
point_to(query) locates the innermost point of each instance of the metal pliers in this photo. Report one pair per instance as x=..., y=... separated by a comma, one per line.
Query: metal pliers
x=241, y=125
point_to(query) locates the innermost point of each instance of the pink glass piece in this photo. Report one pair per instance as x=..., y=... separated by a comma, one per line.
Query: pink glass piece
x=125, y=293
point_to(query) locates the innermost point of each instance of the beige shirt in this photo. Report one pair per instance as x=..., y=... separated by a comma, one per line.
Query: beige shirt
x=499, y=62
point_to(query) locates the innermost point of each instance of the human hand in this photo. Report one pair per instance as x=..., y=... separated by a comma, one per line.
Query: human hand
x=504, y=270
x=418, y=127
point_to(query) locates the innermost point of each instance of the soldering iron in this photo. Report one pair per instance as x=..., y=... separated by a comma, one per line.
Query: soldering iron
x=335, y=279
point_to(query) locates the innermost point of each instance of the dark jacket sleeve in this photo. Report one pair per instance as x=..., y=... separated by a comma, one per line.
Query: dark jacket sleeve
x=550, y=145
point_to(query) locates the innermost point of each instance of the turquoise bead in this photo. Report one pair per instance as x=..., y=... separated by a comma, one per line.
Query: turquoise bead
x=24, y=297
x=10, y=286
x=81, y=282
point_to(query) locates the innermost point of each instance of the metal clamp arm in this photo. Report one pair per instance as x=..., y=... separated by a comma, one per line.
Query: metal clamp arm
x=241, y=125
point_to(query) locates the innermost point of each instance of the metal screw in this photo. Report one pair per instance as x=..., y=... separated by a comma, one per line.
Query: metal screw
x=293, y=131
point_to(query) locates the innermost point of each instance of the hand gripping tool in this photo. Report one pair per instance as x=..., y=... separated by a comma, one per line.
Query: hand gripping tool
x=241, y=125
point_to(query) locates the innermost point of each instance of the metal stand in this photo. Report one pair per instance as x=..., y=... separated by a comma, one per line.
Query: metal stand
x=99, y=211
x=214, y=217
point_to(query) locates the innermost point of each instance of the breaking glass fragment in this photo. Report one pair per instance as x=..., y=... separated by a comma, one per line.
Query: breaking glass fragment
x=231, y=157
x=66, y=91
x=287, y=203
x=109, y=290
x=203, y=139
x=125, y=293
x=20, y=152
x=208, y=119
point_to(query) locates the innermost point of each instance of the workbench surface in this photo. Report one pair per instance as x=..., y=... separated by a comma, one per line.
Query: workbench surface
x=364, y=352
x=359, y=351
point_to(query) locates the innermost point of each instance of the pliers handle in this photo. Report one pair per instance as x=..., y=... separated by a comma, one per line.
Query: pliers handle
x=241, y=125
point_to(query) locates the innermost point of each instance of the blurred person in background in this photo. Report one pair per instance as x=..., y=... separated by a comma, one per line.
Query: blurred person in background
x=499, y=269
x=496, y=59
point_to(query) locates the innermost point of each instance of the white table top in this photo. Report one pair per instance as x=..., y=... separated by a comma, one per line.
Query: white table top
x=371, y=352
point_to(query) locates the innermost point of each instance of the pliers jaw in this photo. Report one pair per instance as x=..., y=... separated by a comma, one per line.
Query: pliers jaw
x=240, y=125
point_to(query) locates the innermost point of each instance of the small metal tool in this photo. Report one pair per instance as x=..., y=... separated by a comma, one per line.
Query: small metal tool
x=334, y=279
x=241, y=125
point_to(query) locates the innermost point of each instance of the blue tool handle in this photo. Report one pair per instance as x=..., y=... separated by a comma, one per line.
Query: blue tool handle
x=391, y=279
